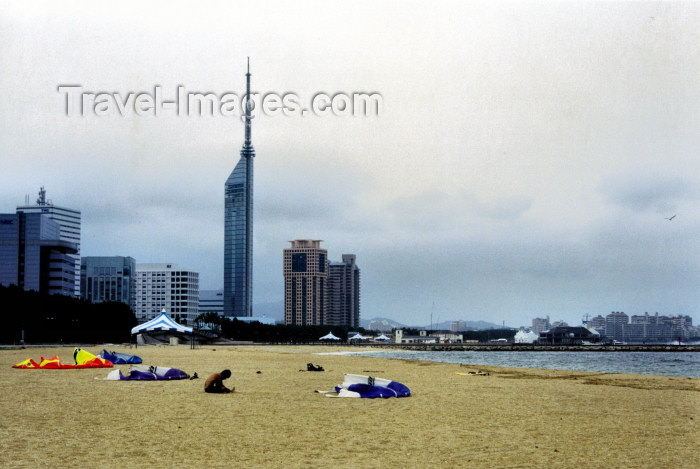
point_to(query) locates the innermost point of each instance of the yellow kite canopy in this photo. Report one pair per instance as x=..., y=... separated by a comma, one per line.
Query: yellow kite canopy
x=83, y=359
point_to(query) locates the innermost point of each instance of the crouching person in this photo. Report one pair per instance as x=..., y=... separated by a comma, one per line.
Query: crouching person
x=215, y=383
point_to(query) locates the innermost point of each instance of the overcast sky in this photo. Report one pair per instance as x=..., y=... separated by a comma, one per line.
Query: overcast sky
x=523, y=163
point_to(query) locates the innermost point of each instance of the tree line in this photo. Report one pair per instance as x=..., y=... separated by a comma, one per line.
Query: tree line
x=39, y=318
x=232, y=328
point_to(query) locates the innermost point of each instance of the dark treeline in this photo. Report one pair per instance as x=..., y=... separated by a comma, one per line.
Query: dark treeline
x=489, y=334
x=61, y=319
x=278, y=333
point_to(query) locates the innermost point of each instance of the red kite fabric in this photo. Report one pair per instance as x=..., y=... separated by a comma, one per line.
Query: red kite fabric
x=83, y=360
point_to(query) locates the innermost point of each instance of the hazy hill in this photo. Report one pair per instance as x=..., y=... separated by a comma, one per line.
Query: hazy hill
x=385, y=325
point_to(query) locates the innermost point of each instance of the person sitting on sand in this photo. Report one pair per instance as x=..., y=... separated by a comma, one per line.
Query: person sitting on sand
x=215, y=383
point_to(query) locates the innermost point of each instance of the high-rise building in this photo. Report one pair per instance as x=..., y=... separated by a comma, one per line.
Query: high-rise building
x=166, y=287
x=238, y=227
x=68, y=220
x=108, y=279
x=616, y=324
x=34, y=256
x=540, y=325
x=343, y=293
x=597, y=323
x=211, y=301
x=305, y=283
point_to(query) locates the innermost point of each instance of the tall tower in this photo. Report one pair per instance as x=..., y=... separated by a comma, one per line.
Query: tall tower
x=238, y=226
x=344, y=292
x=305, y=283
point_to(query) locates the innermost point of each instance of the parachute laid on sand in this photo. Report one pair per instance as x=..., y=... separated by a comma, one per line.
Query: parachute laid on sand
x=120, y=358
x=147, y=373
x=82, y=358
x=368, y=387
x=85, y=359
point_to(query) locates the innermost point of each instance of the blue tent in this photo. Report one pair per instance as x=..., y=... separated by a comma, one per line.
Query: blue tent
x=162, y=322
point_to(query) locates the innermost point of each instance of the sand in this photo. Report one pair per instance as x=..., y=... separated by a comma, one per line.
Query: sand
x=522, y=418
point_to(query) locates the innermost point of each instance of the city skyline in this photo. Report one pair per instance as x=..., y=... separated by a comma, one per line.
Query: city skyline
x=526, y=159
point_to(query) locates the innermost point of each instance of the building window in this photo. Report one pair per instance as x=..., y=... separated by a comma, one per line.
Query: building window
x=299, y=262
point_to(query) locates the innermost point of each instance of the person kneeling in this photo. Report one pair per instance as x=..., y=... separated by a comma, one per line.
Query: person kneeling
x=215, y=383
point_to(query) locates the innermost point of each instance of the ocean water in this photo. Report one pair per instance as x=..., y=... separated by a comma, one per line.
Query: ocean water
x=650, y=363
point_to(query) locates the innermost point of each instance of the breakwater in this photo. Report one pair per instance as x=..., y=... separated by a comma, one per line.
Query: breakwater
x=540, y=348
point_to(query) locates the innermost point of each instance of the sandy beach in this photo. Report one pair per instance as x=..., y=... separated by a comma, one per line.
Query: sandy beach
x=522, y=418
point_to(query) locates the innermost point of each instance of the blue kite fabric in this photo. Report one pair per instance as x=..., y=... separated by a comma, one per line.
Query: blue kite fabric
x=368, y=387
x=147, y=373
x=393, y=389
x=121, y=358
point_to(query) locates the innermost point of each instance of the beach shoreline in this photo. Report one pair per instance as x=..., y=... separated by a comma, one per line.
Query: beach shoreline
x=508, y=417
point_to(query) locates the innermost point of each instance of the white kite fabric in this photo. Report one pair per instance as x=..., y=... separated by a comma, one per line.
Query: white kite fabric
x=147, y=373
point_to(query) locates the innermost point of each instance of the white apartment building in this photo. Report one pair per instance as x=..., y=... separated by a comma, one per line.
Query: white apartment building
x=166, y=287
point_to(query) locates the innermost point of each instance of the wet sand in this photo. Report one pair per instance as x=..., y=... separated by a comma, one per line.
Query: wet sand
x=524, y=418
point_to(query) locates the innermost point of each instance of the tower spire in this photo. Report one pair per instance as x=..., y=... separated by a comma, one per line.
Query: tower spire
x=247, y=108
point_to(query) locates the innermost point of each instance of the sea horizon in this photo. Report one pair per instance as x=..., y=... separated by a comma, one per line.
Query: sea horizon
x=668, y=363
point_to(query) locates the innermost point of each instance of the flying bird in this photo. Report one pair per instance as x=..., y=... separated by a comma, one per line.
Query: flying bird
x=671, y=218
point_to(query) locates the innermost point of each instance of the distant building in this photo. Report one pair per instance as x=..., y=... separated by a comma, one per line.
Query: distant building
x=211, y=301
x=456, y=326
x=108, y=279
x=34, y=256
x=68, y=220
x=616, y=324
x=423, y=338
x=657, y=328
x=343, y=293
x=305, y=268
x=444, y=337
x=166, y=287
x=566, y=335
x=597, y=323
x=540, y=325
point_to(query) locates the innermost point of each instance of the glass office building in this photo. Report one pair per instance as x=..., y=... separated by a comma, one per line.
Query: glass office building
x=68, y=220
x=238, y=228
x=33, y=256
x=108, y=279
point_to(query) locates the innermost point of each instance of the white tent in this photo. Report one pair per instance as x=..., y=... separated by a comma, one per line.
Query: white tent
x=329, y=336
x=358, y=336
x=381, y=337
x=162, y=322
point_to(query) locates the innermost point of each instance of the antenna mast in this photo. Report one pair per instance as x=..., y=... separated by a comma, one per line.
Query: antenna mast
x=247, y=107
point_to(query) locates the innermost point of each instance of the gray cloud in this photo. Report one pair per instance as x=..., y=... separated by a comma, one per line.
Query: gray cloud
x=649, y=192
x=523, y=163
